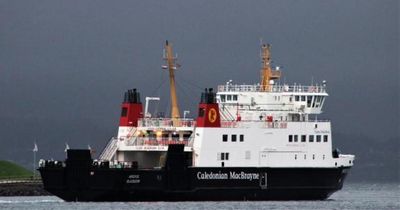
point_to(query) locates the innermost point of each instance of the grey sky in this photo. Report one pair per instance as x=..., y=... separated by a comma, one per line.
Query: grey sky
x=64, y=65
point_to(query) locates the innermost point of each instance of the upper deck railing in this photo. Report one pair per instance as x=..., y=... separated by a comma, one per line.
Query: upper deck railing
x=273, y=88
x=166, y=122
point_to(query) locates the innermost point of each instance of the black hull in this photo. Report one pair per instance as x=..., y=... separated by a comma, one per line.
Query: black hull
x=113, y=185
x=81, y=180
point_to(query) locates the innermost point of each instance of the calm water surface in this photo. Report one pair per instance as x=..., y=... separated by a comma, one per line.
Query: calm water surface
x=352, y=196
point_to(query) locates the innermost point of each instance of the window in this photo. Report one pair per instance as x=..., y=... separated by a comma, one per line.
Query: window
x=124, y=112
x=303, y=138
x=222, y=98
x=311, y=138
x=295, y=138
x=224, y=138
x=309, y=99
x=322, y=100
x=305, y=156
x=233, y=137
x=229, y=97
x=201, y=112
x=318, y=100
x=223, y=156
x=303, y=98
x=186, y=136
x=174, y=137
x=313, y=157
x=235, y=97
x=313, y=104
x=295, y=157
x=296, y=98
x=318, y=138
x=325, y=138
x=290, y=138
x=241, y=138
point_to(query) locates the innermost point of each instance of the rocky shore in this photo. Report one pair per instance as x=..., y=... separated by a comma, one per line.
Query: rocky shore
x=22, y=189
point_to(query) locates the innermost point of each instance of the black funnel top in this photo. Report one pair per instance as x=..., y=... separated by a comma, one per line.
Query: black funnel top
x=132, y=96
x=208, y=96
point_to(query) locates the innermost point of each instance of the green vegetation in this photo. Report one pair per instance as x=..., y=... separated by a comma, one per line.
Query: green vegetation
x=12, y=170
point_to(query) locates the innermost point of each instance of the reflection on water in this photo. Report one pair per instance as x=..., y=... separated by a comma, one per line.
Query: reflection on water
x=353, y=196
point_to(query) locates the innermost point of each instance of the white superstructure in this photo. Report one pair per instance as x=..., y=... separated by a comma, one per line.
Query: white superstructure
x=272, y=125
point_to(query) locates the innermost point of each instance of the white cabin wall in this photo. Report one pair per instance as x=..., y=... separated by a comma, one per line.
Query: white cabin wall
x=271, y=142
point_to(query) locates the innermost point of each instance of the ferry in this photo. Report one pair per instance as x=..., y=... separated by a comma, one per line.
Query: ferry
x=254, y=142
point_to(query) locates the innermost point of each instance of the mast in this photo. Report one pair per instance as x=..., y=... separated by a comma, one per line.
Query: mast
x=266, y=72
x=171, y=65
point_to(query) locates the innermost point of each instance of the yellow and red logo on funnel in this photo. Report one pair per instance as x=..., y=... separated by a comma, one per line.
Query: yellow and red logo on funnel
x=212, y=115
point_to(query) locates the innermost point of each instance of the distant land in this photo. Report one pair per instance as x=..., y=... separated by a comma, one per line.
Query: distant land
x=377, y=160
x=12, y=170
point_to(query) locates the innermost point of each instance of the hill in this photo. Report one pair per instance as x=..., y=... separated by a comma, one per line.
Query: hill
x=12, y=170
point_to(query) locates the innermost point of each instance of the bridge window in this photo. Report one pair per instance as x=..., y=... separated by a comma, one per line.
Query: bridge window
x=311, y=138
x=309, y=99
x=303, y=138
x=229, y=97
x=235, y=97
x=297, y=98
x=313, y=103
x=241, y=138
x=295, y=138
x=322, y=100
x=318, y=138
x=224, y=138
x=303, y=98
x=290, y=138
x=325, y=138
x=222, y=98
x=318, y=99
x=233, y=137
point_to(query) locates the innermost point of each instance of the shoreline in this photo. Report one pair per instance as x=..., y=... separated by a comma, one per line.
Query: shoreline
x=23, y=189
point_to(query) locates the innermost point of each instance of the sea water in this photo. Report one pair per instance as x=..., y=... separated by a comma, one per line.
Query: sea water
x=352, y=196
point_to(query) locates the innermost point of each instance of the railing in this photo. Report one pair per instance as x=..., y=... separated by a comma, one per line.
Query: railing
x=273, y=88
x=166, y=122
x=247, y=124
x=143, y=141
x=263, y=124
